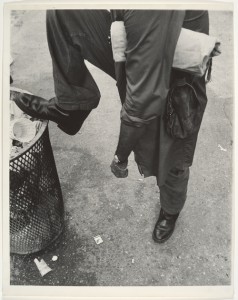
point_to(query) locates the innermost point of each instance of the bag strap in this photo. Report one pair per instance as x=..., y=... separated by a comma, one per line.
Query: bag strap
x=209, y=71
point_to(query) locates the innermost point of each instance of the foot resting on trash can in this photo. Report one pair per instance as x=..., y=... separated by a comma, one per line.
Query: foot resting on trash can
x=37, y=107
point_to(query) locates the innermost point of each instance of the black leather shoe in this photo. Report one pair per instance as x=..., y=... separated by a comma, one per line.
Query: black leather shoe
x=164, y=227
x=37, y=107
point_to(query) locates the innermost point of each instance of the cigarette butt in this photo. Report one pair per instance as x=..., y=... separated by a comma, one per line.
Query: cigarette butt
x=42, y=266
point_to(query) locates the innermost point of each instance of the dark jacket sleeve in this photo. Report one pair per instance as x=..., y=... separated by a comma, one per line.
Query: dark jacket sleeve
x=117, y=15
x=151, y=40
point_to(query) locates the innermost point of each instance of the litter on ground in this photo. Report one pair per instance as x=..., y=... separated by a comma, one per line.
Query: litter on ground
x=54, y=258
x=98, y=239
x=42, y=266
x=221, y=148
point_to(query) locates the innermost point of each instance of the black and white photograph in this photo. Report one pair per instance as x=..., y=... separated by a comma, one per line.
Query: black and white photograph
x=121, y=137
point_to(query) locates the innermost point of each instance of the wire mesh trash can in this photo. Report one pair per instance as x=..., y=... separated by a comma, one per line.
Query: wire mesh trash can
x=36, y=203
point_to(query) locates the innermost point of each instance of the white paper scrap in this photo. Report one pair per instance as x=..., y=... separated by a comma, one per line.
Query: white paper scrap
x=98, y=239
x=55, y=257
x=42, y=266
x=221, y=148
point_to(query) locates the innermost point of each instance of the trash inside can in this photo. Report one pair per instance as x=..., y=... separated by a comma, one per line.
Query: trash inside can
x=36, y=203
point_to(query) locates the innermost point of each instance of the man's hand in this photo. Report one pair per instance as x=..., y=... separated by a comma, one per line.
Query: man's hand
x=119, y=169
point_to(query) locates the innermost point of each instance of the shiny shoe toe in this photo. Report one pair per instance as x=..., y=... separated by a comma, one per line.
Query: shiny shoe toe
x=164, y=227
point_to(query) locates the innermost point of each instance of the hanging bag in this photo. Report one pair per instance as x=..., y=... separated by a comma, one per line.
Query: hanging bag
x=184, y=111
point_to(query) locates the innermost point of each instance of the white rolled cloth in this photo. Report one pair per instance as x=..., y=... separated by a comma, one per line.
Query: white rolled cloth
x=192, y=52
x=118, y=40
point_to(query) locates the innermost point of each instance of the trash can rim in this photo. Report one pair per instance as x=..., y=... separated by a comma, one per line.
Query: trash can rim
x=33, y=141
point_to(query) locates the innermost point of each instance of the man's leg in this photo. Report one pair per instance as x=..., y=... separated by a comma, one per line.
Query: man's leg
x=173, y=195
x=174, y=191
x=74, y=35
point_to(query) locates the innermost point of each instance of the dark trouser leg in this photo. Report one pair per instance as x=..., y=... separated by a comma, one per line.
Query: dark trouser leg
x=174, y=191
x=75, y=35
x=172, y=197
x=120, y=74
